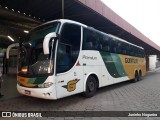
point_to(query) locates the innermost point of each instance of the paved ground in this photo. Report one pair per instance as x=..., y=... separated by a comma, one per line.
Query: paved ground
x=141, y=96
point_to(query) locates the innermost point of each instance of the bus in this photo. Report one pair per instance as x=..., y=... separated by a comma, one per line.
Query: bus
x=64, y=57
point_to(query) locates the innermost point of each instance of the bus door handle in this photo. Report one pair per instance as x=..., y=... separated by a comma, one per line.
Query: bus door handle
x=84, y=64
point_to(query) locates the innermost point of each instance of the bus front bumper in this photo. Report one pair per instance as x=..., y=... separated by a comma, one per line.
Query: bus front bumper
x=44, y=93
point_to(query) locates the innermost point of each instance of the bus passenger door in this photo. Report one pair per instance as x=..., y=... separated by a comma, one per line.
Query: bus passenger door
x=69, y=72
x=69, y=79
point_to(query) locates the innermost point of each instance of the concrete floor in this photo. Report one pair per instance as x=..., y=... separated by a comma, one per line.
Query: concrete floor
x=140, y=96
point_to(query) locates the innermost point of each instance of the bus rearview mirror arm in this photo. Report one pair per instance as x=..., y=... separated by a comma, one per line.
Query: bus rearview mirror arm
x=46, y=40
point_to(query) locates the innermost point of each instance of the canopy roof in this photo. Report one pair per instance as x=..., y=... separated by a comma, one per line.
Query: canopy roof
x=19, y=15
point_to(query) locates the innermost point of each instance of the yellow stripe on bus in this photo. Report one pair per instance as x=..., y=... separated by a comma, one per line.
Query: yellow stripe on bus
x=131, y=64
x=24, y=81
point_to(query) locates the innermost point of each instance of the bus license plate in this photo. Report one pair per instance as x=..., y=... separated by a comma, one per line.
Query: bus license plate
x=27, y=92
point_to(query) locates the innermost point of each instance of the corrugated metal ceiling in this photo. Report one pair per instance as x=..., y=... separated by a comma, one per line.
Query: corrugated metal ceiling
x=34, y=12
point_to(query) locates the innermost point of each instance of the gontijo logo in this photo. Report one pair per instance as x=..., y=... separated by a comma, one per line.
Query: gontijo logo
x=71, y=85
x=131, y=60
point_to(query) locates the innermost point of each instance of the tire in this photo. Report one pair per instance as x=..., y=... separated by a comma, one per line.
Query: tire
x=140, y=75
x=91, y=87
x=136, y=77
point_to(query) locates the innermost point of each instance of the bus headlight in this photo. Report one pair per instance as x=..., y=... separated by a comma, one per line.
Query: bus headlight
x=24, y=69
x=45, y=85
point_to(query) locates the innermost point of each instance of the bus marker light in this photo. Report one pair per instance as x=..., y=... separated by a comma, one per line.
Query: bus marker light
x=78, y=64
x=60, y=81
x=24, y=70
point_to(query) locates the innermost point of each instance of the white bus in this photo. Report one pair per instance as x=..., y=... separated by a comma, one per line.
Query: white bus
x=63, y=57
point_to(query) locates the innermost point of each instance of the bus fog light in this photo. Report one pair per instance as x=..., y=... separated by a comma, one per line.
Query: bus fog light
x=47, y=94
x=45, y=85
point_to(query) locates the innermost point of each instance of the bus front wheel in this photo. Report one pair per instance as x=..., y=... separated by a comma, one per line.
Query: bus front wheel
x=91, y=87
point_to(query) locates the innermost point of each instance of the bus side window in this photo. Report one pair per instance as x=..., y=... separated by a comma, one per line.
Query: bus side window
x=106, y=47
x=119, y=47
x=64, y=59
x=128, y=49
x=89, y=42
x=139, y=52
x=123, y=51
x=135, y=51
x=88, y=39
x=105, y=43
x=143, y=54
x=68, y=47
x=114, y=45
x=97, y=40
x=114, y=49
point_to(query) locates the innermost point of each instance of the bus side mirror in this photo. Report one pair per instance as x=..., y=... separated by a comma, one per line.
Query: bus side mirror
x=46, y=42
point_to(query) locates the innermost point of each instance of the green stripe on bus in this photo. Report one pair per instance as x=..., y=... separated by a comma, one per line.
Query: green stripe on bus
x=38, y=80
x=118, y=64
x=31, y=80
x=110, y=65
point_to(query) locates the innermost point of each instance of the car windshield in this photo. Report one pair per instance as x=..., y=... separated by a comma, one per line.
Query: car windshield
x=32, y=60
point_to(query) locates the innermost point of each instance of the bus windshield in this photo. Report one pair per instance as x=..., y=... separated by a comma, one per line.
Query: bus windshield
x=32, y=59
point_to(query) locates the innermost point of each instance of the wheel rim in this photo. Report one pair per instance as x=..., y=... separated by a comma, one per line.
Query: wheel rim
x=91, y=86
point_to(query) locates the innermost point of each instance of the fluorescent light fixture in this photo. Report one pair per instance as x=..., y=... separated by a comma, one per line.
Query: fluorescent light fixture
x=11, y=38
x=26, y=31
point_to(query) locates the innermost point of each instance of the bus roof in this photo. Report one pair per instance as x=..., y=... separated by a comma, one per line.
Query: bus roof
x=65, y=21
x=60, y=20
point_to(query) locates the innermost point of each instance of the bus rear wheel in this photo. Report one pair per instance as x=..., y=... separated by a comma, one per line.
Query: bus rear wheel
x=140, y=75
x=136, y=78
x=91, y=87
